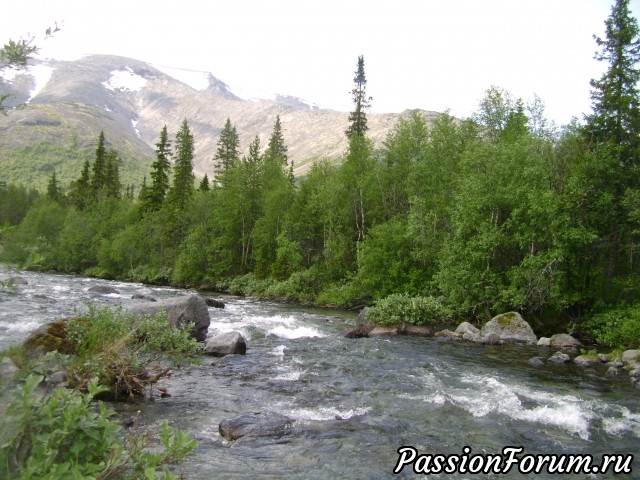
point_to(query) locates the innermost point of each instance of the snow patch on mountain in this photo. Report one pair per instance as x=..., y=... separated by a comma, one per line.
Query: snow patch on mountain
x=196, y=79
x=40, y=73
x=125, y=80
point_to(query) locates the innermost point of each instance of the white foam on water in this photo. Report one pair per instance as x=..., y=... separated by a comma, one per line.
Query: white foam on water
x=487, y=395
x=324, y=414
x=283, y=326
x=292, y=376
x=279, y=351
x=299, y=332
x=19, y=327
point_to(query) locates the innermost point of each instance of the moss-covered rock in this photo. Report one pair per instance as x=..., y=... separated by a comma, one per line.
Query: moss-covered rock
x=50, y=337
x=510, y=327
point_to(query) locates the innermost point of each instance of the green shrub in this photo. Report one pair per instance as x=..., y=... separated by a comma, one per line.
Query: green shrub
x=400, y=308
x=60, y=435
x=117, y=348
x=619, y=327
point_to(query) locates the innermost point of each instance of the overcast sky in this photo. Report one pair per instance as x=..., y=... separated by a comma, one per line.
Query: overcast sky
x=428, y=54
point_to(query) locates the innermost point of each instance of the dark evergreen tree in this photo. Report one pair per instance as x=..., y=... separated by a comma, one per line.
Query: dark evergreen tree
x=358, y=117
x=276, y=148
x=98, y=171
x=160, y=169
x=182, y=190
x=112, y=184
x=204, y=184
x=615, y=98
x=54, y=192
x=81, y=188
x=227, y=152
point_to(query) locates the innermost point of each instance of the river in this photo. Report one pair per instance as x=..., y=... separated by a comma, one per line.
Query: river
x=355, y=402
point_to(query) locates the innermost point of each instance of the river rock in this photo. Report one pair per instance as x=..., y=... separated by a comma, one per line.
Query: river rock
x=212, y=302
x=362, y=328
x=181, y=310
x=448, y=335
x=359, y=331
x=382, y=331
x=544, y=342
x=511, y=328
x=140, y=296
x=465, y=327
x=418, y=331
x=103, y=290
x=536, y=361
x=613, y=371
x=635, y=373
x=229, y=343
x=630, y=355
x=18, y=281
x=260, y=424
x=559, y=358
x=585, y=361
x=48, y=338
x=564, y=340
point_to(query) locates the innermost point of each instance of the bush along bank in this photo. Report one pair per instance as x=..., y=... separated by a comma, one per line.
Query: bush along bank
x=52, y=427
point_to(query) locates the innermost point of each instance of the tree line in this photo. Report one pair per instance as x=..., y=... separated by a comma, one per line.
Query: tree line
x=500, y=211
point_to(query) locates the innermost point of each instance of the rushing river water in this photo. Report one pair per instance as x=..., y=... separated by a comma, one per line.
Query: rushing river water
x=355, y=402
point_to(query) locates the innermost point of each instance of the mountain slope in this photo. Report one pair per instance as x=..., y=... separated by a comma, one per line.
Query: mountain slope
x=63, y=106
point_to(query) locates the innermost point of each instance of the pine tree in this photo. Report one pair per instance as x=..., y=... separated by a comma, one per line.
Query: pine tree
x=227, y=152
x=615, y=98
x=277, y=149
x=81, y=188
x=204, y=184
x=112, y=185
x=182, y=190
x=160, y=169
x=54, y=192
x=98, y=171
x=358, y=117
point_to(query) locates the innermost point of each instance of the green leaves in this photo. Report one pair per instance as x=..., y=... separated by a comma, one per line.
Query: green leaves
x=60, y=435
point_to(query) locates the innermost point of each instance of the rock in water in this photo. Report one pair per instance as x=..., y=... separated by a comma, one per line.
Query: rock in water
x=510, y=328
x=103, y=290
x=181, y=310
x=212, y=302
x=260, y=424
x=564, y=340
x=229, y=343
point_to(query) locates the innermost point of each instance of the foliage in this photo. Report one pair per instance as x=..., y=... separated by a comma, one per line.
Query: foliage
x=117, y=349
x=61, y=435
x=17, y=52
x=361, y=102
x=400, y=308
x=618, y=327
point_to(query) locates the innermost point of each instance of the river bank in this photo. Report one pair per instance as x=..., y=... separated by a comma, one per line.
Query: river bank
x=354, y=402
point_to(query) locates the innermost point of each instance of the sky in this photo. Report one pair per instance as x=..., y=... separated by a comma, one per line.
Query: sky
x=430, y=54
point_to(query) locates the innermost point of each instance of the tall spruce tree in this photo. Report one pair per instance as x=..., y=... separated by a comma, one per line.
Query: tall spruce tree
x=276, y=148
x=81, y=188
x=112, y=185
x=615, y=119
x=160, y=169
x=227, y=152
x=183, y=189
x=98, y=171
x=361, y=101
x=54, y=192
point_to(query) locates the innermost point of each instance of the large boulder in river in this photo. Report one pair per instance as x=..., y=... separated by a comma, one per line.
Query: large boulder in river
x=260, y=424
x=230, y=343
x=103, y=290
x=564, y=340
x=181, y=310
x=510, y=328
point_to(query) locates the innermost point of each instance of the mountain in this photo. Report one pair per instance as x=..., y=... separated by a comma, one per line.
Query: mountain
x=61, y=107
